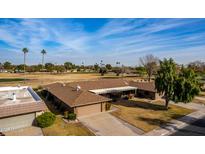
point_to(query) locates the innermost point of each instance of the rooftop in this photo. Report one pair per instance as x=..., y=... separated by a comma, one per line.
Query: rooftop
x=87, y=92
x=73, y=96
x=19, y=100
x=17, y=95
x=100, y=84
x=147, y=86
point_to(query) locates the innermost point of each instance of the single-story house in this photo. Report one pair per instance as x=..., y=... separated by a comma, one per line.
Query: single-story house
x=88, y=97
x=74, y=99
x=146, y=90
x=19, y=106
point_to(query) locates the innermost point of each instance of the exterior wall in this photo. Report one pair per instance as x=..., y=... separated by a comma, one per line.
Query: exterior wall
x=16, y=122
x=39, y=113
x=103, y=106
x=146, y=94
x=88, y=109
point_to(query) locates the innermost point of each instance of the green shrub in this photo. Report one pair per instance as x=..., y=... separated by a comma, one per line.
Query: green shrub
x=107, y=106
x=71, y=116
x=46, y=119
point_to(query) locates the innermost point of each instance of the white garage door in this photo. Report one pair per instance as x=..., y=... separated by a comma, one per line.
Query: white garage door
x=16, y=122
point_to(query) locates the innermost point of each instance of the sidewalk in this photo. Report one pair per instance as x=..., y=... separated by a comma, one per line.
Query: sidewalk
x=175, y=125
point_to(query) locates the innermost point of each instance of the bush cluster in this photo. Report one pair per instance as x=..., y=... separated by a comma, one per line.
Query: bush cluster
x=70, y=116
x=46, y=119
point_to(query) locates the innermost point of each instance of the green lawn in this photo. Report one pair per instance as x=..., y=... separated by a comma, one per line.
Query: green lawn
x=148, y=116
x=61, y=128
x=11, y=79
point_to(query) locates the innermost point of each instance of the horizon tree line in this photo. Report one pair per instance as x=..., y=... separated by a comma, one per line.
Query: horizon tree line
x=176, y=83
x=149, y=65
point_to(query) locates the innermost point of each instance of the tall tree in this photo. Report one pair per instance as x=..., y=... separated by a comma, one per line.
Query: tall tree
x=96, y=67
x=118, y=70
x=68, y=65
x=150, y=63
x=108, y=66
x=102, y=71
x=7, y=65
x=49, y=67
x=197, y=66
x=178, y=87
x=186, y=86
x=140, y=70
x=165, y=79
x=25, y=51
x=43, y=52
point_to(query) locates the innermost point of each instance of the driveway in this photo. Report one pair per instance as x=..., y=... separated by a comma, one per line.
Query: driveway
x=104, y=124
x=189, y=125
x=28, y=131
x=196, y=128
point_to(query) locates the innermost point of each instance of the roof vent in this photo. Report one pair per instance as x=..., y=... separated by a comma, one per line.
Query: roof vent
x=78, y=88
x=63, y=84
x=14, y=97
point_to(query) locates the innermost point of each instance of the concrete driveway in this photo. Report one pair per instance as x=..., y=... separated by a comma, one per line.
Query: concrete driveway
x=196, y=128
x=28, y=131
x=104, y=124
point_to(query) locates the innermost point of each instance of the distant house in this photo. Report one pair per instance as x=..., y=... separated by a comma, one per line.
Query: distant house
x=146, y=90
x=2, y=70
x=19, y=107
x=89, y=97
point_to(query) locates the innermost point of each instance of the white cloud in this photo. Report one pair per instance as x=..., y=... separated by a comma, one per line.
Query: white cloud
x=124, y=39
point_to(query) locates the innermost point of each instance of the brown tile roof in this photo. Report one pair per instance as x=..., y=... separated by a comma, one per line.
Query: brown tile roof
x=148, y=86
x=11, y=110
x=100, y=84
x=72, y=97
x=68, y=92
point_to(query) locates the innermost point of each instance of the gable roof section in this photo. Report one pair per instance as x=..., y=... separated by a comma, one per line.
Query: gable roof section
x=100, y=84
x=147, y=86
x=69, y=94
x=18, y=109
x=72, y=97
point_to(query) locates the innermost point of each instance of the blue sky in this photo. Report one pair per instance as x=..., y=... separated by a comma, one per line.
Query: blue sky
x=90, y=40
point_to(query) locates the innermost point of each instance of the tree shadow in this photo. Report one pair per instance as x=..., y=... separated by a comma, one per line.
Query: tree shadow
x=188, y=130
x=154, y=121
x=141, y=104
x=168, y=125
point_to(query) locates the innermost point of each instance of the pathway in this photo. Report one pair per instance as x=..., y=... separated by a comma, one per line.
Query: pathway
x=192, y=124
x=104, y=124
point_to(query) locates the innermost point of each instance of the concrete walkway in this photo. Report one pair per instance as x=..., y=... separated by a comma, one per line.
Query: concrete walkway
x=181, y=123
x=200, y=98
x=193, y=106
x=28, y=131
x=104, y=124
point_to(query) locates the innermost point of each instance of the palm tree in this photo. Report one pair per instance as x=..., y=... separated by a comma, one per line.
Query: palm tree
x=43, y=53
x=25, y=51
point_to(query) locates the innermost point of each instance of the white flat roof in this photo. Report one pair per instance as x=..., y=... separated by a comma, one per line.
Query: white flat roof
x=12, y=88
x=112, y=90
x=24, y=94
